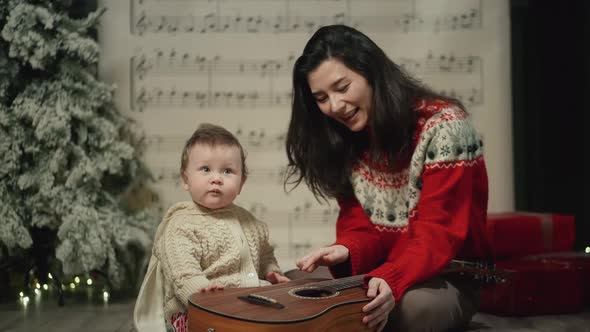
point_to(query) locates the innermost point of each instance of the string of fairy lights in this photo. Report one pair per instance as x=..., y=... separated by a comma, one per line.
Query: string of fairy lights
x=76, y=284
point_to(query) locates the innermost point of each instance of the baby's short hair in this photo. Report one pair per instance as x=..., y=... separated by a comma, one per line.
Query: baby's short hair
x=212, y=135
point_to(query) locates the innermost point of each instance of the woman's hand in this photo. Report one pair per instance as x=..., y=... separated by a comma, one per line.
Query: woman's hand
x=276, y=278
x=379, y=308
x=327, y=256
x=212, y=288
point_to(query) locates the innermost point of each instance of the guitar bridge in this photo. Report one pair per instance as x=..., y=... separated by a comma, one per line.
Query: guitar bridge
x=261, y=300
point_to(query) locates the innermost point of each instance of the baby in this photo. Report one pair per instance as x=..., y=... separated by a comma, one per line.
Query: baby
x=207, y=243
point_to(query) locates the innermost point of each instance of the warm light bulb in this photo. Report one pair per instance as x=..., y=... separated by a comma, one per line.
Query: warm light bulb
x=588, y=250
x=89, y=282
x=37, y=286
x=25, y=300
x=37, y=292
x=21, y=294
x=49, y=276
x=45, y=287
x=105, y=295
x=72, y=285
x=77, y=280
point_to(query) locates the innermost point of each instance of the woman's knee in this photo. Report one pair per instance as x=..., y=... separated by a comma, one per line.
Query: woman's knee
x=419, y=311
x=438, y=307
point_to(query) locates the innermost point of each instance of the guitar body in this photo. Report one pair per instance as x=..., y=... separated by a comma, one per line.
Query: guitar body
x=303, y=310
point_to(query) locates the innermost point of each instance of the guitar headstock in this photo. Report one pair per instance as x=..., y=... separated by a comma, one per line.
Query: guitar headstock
x=480, y=270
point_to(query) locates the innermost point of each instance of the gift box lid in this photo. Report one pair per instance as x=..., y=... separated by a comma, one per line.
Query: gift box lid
x=520, y=233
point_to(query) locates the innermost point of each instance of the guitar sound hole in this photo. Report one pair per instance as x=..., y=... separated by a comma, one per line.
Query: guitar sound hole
x=312, y=293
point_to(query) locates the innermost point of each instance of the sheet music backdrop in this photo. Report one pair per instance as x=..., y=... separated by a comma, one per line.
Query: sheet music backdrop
x=178, y=63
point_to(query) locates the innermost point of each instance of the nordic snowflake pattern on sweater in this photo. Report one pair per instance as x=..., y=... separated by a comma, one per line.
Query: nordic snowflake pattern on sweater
x=445, y=137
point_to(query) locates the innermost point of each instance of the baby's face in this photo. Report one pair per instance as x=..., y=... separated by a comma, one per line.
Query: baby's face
x=213, y=175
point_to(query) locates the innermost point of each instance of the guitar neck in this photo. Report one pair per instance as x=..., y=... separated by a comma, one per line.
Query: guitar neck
x=482, y=271
x=476, y=270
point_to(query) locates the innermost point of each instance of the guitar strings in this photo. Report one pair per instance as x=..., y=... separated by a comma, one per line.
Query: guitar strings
x=357, y=280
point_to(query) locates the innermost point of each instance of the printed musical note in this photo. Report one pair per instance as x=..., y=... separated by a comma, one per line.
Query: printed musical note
x=274, y=175
x=470, y=97
x=141, y=25
x=299, y=249
x=209, y=22
x=468, y=20
x=140, y=66
x=258, y=209
x=313, y=214
x=443, y=63
x=471, y=20
x=140, y=101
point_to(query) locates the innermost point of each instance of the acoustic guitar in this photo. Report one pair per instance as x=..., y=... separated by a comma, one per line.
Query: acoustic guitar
x=300, y=305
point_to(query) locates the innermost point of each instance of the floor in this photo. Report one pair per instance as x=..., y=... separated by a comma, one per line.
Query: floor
x=115, y=316
x=48, y=317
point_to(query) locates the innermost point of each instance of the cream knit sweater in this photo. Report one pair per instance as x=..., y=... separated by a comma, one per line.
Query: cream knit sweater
x=197, y=247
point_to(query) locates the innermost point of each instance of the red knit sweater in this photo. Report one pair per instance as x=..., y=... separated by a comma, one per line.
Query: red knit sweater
x=405, y=226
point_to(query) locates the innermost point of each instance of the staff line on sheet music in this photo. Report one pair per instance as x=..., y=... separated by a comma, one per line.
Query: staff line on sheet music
x=215, y=16
x=253, y=140
x=269, y=175
x=158, y=98
x=213, y=23
x=173, y=64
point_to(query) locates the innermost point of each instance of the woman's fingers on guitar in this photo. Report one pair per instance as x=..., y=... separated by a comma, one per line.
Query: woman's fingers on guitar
x=376, y=317
x=308, y=263
x=378, y=292
x=299, y=263
x=304, y=262
x=382, y=325
x=375, y=303
x=326, y=256
x=379, y=308
x=310, y=268
x=372, y=291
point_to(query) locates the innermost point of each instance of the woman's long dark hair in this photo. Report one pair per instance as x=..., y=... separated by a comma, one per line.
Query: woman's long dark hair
x=322, y=151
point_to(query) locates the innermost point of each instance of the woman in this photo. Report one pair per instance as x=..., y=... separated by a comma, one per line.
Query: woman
x=406, y=167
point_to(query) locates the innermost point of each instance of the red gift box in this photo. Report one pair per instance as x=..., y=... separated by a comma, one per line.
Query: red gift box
x=534, y=288
x=513, y=234
x=577, y=260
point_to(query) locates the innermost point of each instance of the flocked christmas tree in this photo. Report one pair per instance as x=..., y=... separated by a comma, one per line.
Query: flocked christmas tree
x=69, y=160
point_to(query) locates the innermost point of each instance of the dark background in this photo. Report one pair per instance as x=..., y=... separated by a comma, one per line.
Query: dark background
x=550, y=92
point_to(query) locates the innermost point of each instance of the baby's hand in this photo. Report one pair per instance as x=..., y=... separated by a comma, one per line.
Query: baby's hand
x=276, y=278
x=212, y=288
